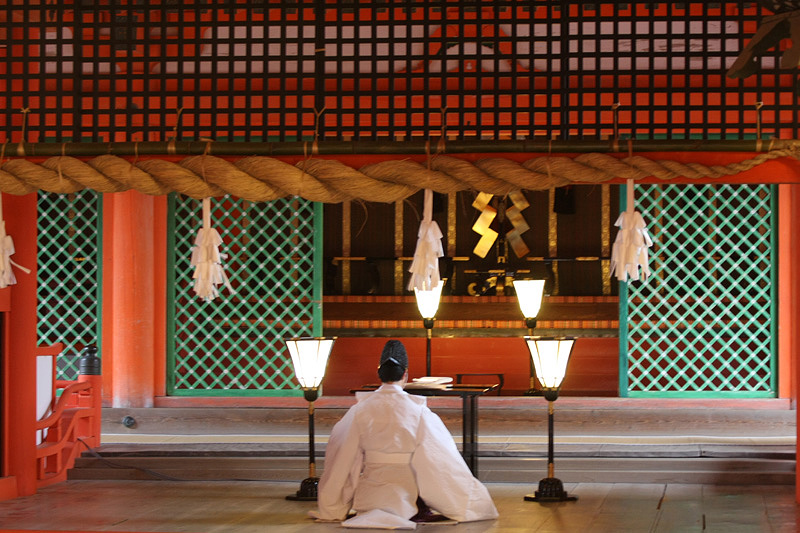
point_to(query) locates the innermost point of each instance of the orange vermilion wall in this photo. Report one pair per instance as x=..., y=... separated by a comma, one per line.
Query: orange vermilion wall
x=593, y=368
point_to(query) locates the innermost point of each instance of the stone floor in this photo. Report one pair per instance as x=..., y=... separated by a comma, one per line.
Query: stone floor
x=250, y=507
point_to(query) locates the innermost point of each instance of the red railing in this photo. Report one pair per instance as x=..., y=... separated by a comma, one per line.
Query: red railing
x=75, y=417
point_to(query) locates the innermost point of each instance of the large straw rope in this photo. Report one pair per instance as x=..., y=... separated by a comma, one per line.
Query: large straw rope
x=261, y=178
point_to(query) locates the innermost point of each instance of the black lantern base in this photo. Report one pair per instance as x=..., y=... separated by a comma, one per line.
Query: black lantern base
x=550, y=490
x=307, y=492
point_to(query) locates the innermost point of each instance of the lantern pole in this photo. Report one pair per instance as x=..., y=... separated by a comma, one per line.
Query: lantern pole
x=428, y=304
x=550, y=357
x=310, y=359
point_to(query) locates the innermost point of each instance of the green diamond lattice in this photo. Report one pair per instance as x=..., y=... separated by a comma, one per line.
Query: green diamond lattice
x=68, y=251
x=233, y=345
x=702, y=325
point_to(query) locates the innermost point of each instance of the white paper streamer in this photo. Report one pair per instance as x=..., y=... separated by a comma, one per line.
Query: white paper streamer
x=7, y=248
x=208, y=272
x=629, y=256
x=425, y=266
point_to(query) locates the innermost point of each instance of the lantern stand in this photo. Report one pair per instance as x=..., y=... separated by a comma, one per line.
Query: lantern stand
x=428, y=324
x=550, y=357
x=530, y=293
x=310, y=359
x=428, y=304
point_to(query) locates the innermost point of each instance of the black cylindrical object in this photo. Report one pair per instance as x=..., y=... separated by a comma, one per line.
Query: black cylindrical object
x=312, y=461
x=89, y=364
x=550, y=454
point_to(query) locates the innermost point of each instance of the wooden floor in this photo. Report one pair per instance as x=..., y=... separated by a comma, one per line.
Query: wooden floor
x=244, y=507
x=656, y=502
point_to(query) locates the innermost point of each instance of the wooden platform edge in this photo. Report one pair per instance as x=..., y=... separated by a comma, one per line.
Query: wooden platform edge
x=490, y=402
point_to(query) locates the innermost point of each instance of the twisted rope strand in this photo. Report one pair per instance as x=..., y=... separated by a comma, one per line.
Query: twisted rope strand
x=261, y=178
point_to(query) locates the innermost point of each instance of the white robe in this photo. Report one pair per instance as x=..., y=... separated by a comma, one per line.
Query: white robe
x=388, y=449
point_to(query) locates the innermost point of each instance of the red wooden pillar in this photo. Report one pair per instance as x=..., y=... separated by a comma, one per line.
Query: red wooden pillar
x=160, y=293
x=18, y=475
x=129, y=300
x=789, y=286
x=789, y=299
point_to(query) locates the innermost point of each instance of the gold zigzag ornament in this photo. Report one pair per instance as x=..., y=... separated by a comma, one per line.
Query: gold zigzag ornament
x=481, y=226
x=488, y=214
x=514, y=214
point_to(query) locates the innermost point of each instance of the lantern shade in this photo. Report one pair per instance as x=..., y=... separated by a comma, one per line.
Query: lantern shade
x=428, y=300
x=310, y=358
x=550, y=356
x=529, y=294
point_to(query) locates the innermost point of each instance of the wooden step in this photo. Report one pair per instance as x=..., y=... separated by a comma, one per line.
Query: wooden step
x=192, y=468
x=611, y=440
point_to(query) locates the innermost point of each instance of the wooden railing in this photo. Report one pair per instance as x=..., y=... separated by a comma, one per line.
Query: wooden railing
x=73, y=421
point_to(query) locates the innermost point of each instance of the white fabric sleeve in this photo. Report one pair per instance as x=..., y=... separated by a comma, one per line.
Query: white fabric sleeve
x=445, y=482
x=343, y=463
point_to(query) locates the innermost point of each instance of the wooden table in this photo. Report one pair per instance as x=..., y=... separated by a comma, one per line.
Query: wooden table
x=469, y=394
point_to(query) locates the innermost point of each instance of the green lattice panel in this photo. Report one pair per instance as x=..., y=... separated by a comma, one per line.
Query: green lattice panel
x=703, y=323
x=68, y=250
x=233, y=345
